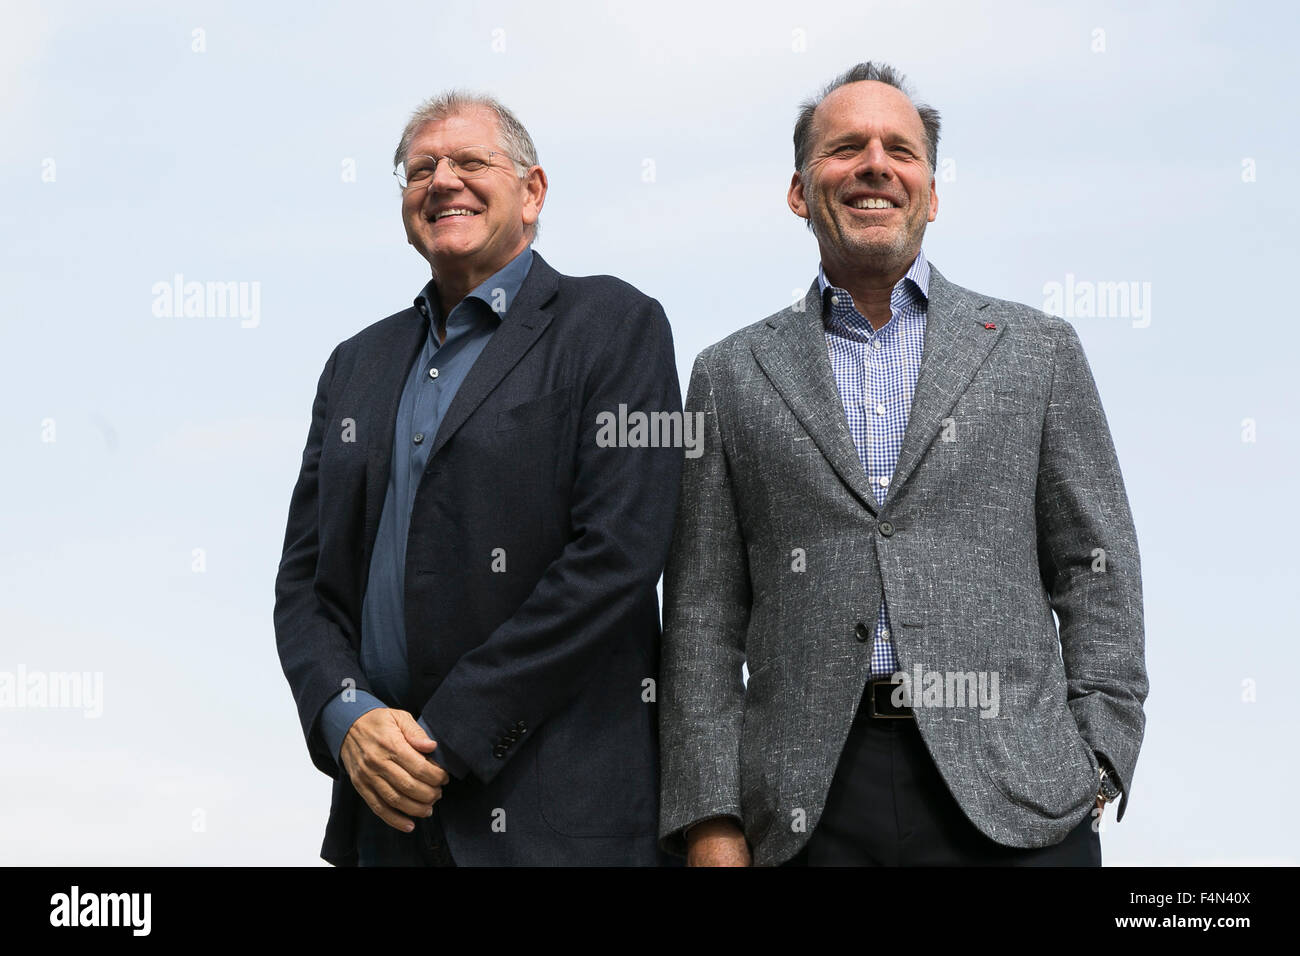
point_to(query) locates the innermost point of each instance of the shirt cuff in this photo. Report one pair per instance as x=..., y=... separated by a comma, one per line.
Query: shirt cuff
x=443, y=756
x=339, y=715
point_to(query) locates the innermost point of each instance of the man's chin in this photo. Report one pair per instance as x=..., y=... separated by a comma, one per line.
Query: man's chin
x=448, y=253
x=859, y=248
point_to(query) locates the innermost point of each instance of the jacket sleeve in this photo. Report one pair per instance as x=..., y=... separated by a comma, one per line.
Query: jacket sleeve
x=621, y=514
x=1088, y=556
x=706, y=613
x=316, y=655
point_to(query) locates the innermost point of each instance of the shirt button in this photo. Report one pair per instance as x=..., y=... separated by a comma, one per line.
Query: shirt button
x=419, y=437
x=884, y=482
x=433, y=373
x=835, y=300
x=875, y=344
x=880, y=409
x=884, y=633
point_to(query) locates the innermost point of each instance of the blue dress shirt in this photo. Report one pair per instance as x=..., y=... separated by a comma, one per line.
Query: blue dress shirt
x=431, y=385
x=876, y=371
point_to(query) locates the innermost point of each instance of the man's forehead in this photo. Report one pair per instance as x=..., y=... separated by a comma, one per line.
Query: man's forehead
x=867, y=105
x=471, y=127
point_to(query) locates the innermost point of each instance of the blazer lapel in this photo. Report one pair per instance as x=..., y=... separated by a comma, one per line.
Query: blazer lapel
x=796, y=361
x=524, y=321
x=386, y=368
x=956, y=345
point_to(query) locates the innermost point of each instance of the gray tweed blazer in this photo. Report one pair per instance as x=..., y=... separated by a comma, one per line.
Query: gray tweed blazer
x=1006, y=505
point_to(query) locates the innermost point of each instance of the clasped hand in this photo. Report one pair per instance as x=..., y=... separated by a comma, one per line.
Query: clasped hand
x=385, y=753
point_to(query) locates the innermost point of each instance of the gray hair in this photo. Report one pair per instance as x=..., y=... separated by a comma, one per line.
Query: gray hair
x=514, y=136
x=881, y=73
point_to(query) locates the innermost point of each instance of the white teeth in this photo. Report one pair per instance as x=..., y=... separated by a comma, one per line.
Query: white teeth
x=872, y=203
x=455, y=212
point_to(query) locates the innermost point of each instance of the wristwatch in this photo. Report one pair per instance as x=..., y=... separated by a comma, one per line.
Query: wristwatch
x=1107, y=791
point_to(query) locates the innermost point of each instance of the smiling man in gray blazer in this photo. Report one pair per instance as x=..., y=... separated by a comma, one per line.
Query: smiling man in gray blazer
x=901, y=481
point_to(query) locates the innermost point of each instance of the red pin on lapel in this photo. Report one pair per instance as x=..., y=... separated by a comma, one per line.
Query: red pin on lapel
x=989, y=325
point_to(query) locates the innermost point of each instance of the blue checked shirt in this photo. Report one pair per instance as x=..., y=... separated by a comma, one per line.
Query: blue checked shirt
x=876, y=372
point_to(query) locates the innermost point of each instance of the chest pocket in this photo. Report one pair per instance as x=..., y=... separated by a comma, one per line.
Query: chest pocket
x=536, y=410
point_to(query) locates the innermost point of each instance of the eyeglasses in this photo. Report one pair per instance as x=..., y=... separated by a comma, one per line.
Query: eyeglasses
x=467, y=162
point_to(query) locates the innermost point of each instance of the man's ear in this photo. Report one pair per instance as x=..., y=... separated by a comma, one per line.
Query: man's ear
x=934, y=201
x=534, y=194
x=795, y=196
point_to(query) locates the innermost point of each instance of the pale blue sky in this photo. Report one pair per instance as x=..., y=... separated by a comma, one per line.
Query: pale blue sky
x=225, y=165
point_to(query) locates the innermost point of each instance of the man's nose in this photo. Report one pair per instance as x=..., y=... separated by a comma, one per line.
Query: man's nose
x=443, y=178
x=873, y=160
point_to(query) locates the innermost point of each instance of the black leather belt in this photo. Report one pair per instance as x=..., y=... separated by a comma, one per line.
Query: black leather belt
x=878, y=701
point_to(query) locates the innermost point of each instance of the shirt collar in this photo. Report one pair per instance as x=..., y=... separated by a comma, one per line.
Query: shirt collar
x=911, y=290
x=918, y=274
x=497, y=292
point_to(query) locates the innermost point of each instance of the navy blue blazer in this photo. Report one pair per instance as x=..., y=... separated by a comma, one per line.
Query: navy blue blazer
x=541, y=677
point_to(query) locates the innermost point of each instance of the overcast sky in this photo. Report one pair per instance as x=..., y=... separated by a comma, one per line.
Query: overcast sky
x=237, y=142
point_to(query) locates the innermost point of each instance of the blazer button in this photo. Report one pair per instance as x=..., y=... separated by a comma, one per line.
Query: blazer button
x=498, y=751
x=863, y=632
x=886, y=529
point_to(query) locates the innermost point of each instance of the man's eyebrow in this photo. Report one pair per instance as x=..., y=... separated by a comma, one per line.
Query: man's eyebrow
x=839, y=140
x=854, y=136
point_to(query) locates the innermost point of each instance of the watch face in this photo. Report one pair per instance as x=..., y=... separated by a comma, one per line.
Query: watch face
x=1108, y=789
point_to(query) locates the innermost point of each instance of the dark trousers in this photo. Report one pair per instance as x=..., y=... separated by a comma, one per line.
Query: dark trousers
x=378, y=844
x=889, y=806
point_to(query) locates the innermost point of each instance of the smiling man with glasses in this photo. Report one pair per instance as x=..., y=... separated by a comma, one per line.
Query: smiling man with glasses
x=466, y=609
